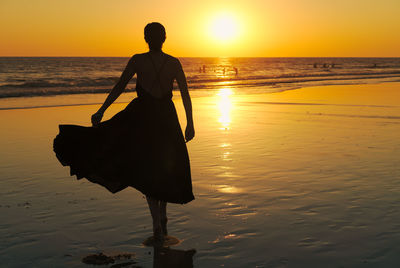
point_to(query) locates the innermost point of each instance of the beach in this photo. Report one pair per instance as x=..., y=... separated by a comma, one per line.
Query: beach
x=307, y=177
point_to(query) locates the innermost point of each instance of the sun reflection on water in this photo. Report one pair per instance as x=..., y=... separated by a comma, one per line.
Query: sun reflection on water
x=228, y=189
x=225, y=107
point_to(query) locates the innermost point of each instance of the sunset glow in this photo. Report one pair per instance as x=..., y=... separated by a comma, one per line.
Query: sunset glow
x=253, y=28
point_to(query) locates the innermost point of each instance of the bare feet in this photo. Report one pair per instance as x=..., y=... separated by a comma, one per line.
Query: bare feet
x=167, y=241
x=158, y=234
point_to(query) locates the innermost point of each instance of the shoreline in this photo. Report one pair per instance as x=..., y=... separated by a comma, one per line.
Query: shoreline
x=128, y=96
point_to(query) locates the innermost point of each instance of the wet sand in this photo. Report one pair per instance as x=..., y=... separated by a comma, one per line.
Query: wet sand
x=302, y=178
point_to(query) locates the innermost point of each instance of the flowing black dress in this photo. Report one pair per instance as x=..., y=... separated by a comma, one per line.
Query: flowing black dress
x=141, y=146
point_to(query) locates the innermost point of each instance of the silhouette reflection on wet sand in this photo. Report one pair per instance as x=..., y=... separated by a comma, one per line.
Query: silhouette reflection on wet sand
x=166, y=257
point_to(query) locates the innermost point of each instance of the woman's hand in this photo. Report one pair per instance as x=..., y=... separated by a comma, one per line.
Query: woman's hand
x=189, y=132
x=96, y=118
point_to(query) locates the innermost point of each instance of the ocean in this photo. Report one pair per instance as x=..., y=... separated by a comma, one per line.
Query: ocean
x=49, y=76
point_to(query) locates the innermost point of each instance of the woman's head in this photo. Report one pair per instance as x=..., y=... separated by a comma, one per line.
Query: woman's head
x=154, y=34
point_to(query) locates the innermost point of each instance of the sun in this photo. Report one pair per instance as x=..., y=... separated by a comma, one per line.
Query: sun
x=224, y=27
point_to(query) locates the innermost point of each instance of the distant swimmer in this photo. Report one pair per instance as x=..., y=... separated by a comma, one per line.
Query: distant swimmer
x=204, y=68
x=325, y=65
x=333, y=65
x=224, y=71
x=236, y=71
x=315, y=65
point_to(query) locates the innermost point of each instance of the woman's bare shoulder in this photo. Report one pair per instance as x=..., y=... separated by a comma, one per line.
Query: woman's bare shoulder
x=138, y=56
x=173, y=60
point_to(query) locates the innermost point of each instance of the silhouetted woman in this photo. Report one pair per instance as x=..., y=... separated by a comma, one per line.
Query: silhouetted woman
x=142, y=146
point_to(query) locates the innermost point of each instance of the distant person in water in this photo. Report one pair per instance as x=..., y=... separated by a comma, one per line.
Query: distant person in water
x=236, y=71
x=142, y=146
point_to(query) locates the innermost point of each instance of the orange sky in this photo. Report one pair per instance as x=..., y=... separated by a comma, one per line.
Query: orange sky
x=263, y=28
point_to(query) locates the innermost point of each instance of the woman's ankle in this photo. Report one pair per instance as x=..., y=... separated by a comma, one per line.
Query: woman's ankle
x=164, y=222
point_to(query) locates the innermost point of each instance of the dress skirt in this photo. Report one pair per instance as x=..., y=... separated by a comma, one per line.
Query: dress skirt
x=142, y=146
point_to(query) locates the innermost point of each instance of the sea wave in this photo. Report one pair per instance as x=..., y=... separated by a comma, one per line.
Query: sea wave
x=25, y=77
x=82, y=82
x=263, y=85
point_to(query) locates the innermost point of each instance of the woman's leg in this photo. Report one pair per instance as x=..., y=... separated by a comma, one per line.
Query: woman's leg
x=163, y=217
x=154, y=206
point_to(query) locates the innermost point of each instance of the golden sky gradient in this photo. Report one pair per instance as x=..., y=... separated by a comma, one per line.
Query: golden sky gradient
x=259, y=28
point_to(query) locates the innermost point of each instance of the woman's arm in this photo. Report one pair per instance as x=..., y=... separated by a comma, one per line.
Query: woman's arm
x=187, y=103
x=127, y=75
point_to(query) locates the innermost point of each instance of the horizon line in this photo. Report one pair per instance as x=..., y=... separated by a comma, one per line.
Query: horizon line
x=205, y=56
